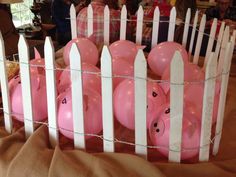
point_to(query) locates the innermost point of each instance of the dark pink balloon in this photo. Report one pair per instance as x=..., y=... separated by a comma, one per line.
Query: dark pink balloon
x=124, y=102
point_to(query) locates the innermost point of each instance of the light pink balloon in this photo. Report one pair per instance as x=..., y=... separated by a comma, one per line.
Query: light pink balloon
x=194, y=94
x=92, y=102
x=39, y=97
x=125, y=49
x=121, y=67
x=161, y=55
x=87, y=49
x=38, y=67
x=90, y=80
x=160, y=128
x=124, y=102
x=192, y=73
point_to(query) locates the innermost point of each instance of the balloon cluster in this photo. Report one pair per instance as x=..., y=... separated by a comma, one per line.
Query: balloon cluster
x=123, y=54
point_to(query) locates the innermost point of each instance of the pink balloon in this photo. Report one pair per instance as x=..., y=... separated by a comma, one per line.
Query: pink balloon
x=124, y=102
x=92, y=102
x=38, y=67
x=160, y=128
x=39, y=97
x=121, y=67
x=90, y=80
x=161, y=55
x=87, y=49
x=192, y=73
x=194, y=94
x=124, y=49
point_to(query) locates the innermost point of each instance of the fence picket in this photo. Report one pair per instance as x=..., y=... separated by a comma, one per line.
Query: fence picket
x=77, y=97
x=106, y=25
x=123, y=23
x=199, y=39
x=186, y=27
x=73, y=22
x=139, y=28
x=4, y=88
x=219, y=40
x=171, y=30
x=223, y=92
x=155, y=27
x=211, y=41
x=90, y=20
x=23, y=49
x=140, y=100
x=107, y=101
x=193, y=33
x=176, y=107
x=49, y=54
x=207, y=111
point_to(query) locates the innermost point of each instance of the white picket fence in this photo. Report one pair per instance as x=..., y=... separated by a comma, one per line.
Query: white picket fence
x=216, y=63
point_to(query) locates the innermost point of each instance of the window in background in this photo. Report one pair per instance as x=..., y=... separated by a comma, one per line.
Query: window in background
x=21, y=13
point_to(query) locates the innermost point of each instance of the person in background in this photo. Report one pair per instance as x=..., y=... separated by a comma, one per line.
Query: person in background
x=98, y=21
x=61, y=17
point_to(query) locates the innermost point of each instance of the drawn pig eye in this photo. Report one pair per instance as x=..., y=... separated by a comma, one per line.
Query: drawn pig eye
x=64, y=101
x=154, y=94
x=167, y=111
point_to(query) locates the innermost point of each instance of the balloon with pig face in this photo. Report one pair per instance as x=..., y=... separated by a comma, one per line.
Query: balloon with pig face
x=124, y=102
x=39, y=97
x=159, y=131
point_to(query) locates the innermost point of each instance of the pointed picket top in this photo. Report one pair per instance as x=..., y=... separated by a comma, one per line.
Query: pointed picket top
x=90, y=20
x=107, y=101
x=225, y=40
x=219, y=40
x=199, y=39
x=106, y=25
x=139, y=28
x=36, y=53
x=77, y=97
x=186, y=27
x=223, y=93
x=211, y=42
x=23, y=49
x=193, y=33
x=171, y=30
x=176, y=107
x=155, y=27
x=51, y=91
x=140, y=100
x=73, y=21
x=4, y=88
x=207, y=111
x=123, y=23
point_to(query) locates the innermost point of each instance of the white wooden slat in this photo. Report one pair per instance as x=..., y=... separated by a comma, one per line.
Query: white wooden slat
x=123, y=23
x=140, y=99
x=171, y=30
x=193, y=33
x=23, y=49
x=90, y=20
x=223, y=93
x=106, y=25
x=49, y=54
x=225, y=40
x=176, y=107
x=211, y=41
x=207, y=111
x=155, y=27
x=139, y=28
x=219, y=39
x=107, y=101
x=4, y=88
x=199, y=39
x=73, y=22
x=77, y=97
x=186, y=27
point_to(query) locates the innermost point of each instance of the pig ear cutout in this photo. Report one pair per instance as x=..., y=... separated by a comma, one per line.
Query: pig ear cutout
x=140, y=47
x=36, y=53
